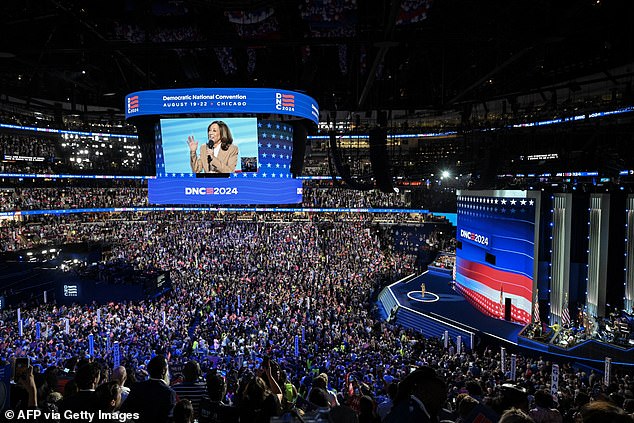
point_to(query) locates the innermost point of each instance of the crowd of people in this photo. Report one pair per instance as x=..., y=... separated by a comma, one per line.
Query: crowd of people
x=135, y=194
x=315, y=195
x=266, y=28
x=13, y=199
x=316, y=167
x=330, y=18
x=52, y=230
x=135, y=33
x=32, y=147
x=445, y=261
x=615, y=328
x=226, y=59
x=413, y=11
x=268, y=317
x=68, y=153
x=250, y=17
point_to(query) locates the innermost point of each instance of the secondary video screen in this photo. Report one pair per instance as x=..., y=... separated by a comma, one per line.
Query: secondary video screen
x=496, y=252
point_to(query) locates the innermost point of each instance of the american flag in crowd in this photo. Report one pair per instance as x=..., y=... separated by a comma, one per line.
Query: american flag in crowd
x=536, y=318
x=565, y=314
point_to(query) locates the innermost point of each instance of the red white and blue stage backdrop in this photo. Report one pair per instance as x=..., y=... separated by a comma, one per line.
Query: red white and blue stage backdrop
x=497, y=247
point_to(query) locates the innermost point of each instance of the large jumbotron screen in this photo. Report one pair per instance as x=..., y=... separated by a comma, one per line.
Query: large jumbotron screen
x=193, y=167
x=263, y=152
x=497, y=245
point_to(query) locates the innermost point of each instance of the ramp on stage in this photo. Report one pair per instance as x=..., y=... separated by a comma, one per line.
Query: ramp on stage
x=442, y=309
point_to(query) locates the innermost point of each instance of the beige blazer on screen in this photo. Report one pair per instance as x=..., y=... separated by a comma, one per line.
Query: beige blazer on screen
x=224, y=162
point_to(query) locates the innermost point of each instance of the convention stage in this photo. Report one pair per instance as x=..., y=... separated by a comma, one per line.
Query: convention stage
x=443, y=309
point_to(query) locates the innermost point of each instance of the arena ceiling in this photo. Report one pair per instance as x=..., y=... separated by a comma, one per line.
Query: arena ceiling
x=349, y=55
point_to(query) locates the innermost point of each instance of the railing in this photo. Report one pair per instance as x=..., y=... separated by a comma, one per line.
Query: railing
x=432, y=327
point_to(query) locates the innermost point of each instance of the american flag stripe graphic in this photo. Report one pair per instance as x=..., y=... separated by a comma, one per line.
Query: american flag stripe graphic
x=288, y=100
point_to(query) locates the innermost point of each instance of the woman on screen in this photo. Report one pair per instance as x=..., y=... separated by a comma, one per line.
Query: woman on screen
x=218, y=155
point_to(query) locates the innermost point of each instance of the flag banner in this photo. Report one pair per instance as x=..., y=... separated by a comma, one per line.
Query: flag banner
x=565, y=313
x=554, y=382
x=91, y=345
x=116, y=354
x=536, y=318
